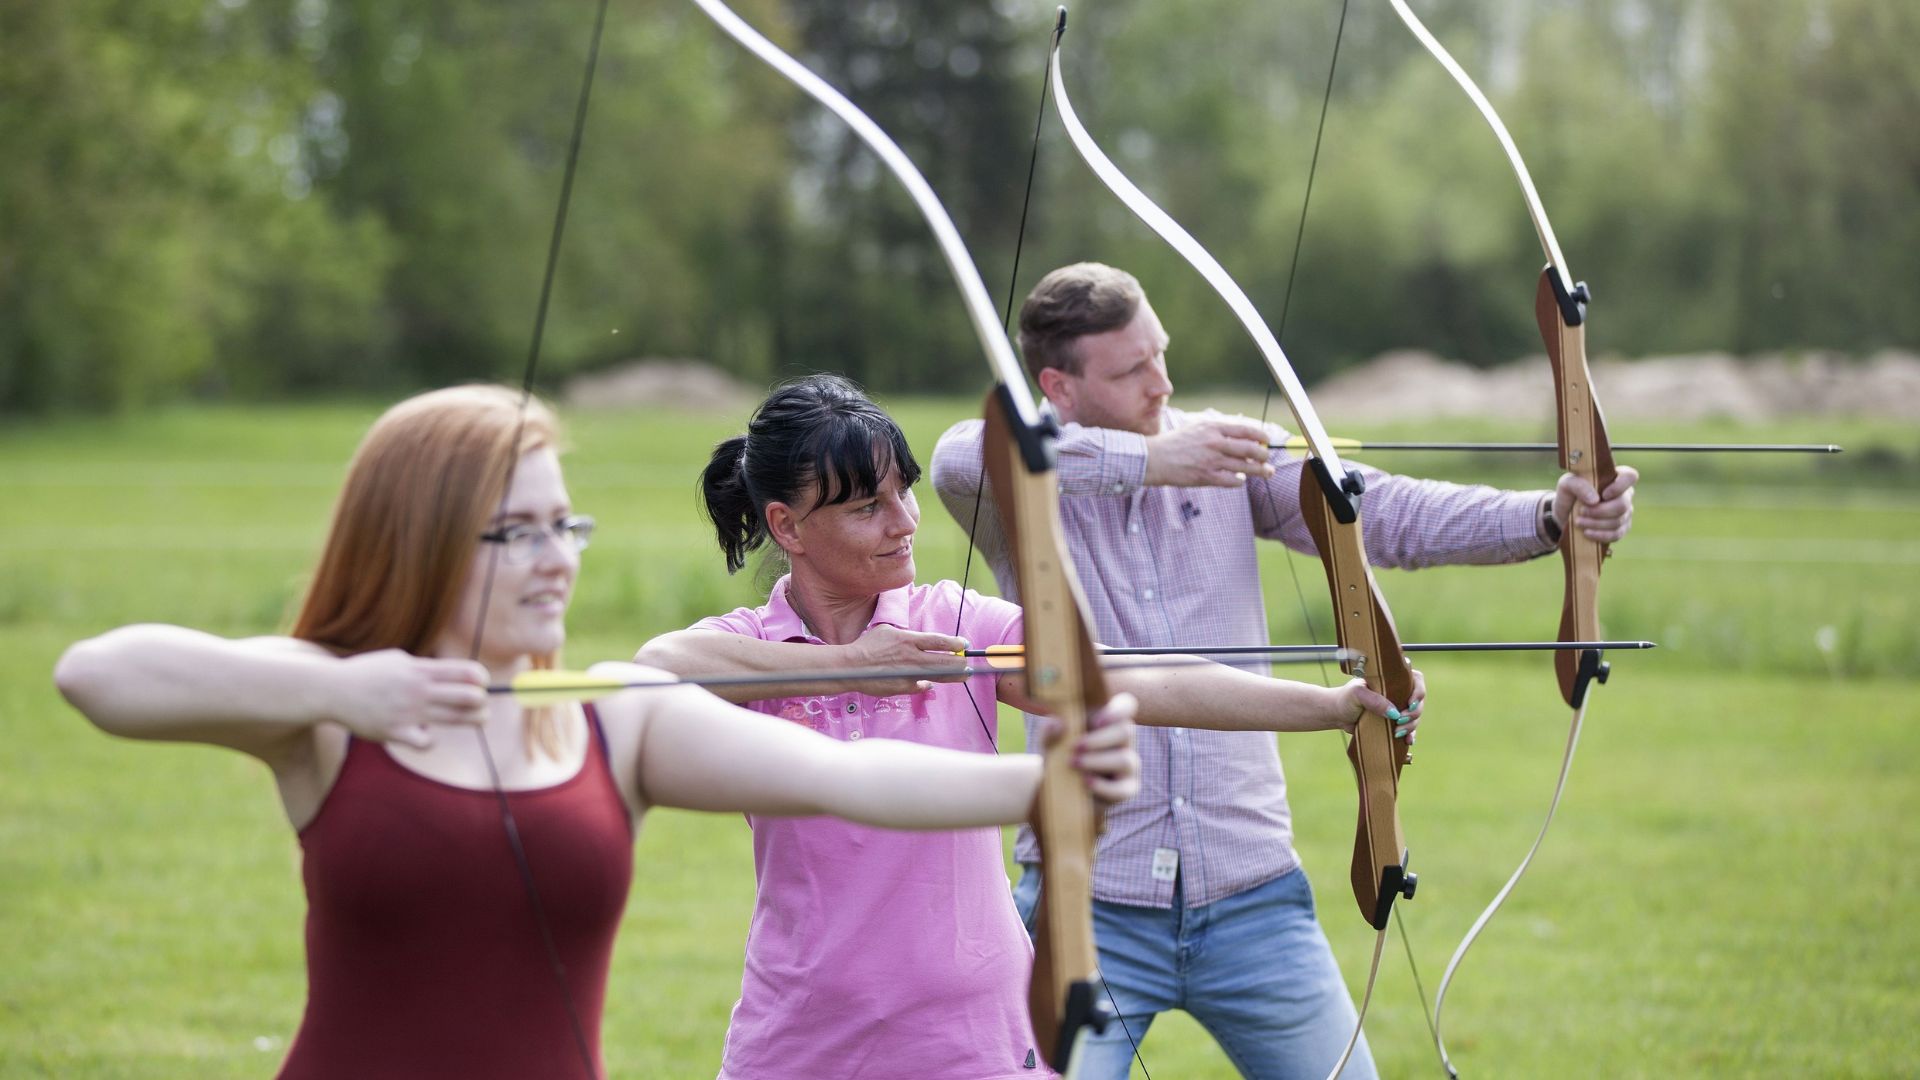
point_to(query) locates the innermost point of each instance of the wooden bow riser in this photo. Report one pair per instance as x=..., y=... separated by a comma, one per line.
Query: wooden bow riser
x=1586, y=452
x=1366, y=626
x=1064, y=675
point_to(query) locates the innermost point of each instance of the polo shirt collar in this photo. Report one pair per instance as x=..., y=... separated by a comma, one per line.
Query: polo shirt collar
x=783, y=623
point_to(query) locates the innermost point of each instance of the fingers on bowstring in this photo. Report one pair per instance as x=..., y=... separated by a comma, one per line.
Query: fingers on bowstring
x=447, y=670
x=1241, y=427
x=1251, y=450
x=417, y=736
x=457, y=703
x=935, y=643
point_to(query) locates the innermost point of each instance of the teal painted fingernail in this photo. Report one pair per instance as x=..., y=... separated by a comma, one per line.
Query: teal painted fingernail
x=1393, y=713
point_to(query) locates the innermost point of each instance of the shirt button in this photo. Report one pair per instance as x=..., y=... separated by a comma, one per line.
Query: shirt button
x=1134, y=528
x=1179, y=801
x=854, y=734
x=1146, y=594
x=1118, y=487
x=852, y=707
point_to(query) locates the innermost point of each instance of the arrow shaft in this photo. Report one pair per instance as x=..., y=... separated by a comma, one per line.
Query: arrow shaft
x=1357, y=446
x=1314, y=653
x=587, y=684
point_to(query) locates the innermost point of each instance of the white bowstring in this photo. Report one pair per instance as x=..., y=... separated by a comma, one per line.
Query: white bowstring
x=1440, y=999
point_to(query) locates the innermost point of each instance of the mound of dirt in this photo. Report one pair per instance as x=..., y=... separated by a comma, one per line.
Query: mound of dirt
x=1414, y=385
x=688, y=385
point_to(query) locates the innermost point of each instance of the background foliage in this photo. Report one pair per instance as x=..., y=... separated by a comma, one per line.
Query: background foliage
x=258, y=198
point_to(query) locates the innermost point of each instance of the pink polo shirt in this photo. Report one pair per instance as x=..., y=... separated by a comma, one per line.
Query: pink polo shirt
x=874, y=952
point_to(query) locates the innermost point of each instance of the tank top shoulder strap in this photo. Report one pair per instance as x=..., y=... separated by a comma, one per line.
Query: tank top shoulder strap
x=599, y=736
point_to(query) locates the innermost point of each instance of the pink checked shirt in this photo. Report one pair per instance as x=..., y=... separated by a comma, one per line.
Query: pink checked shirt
x=1177, y=566
x=872, y=952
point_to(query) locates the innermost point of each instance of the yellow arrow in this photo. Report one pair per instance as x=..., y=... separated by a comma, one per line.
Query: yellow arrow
x=552, y=687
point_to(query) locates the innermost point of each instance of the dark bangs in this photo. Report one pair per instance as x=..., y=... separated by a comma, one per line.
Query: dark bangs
x=849, y=456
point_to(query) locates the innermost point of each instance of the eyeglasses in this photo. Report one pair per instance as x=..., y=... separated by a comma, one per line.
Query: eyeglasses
x=520, y=543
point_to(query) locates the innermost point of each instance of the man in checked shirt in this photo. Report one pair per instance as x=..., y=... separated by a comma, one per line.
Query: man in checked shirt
x=1199, y=899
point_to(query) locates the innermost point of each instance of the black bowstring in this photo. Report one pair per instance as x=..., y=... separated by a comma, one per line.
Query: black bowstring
x=507, y=820
x=979, y=491
x=1006, y=319
x=1286, y=303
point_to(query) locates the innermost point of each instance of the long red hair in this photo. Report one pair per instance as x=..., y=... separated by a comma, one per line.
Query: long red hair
x=422, y=487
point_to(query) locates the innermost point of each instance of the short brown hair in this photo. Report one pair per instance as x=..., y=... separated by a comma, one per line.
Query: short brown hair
x=1070, y=303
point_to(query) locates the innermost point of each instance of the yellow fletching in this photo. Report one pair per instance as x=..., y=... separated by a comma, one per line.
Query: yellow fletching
x=1006, y=656
x=1000, y=656
x=1299, y=442
x=554, y=687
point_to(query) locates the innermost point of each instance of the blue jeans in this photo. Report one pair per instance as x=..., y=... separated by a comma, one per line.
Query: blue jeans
x=1254, y=969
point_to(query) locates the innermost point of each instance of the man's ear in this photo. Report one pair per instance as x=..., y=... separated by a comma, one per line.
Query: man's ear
x=783, y=525
x=1057, y=385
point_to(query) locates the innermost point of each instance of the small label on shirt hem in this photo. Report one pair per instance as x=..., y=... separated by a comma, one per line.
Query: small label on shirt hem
x=1166, y=863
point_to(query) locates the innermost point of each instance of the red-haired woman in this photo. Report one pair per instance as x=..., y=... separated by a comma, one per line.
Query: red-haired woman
x=450, y=561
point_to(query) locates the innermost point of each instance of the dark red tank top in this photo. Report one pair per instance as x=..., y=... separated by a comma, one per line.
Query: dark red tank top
x=423, y=955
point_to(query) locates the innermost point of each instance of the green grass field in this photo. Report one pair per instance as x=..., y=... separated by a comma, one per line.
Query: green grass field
x=1720, y=895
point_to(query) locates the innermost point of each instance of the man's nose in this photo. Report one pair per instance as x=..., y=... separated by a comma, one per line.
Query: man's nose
x=1162, y=385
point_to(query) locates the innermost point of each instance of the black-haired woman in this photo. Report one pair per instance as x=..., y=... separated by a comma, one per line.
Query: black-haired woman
x=870, y=954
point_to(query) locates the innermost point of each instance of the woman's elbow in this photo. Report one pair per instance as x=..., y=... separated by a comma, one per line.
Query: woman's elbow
x=658, y=653
x=81, y=675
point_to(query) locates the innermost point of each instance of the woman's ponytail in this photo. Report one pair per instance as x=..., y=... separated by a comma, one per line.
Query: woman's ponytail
x=729, y=505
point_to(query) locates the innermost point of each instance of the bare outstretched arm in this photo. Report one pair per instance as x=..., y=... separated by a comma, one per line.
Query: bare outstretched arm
x=1185, y=691
x=699, y=652
x=700, y=753
x=258, y=695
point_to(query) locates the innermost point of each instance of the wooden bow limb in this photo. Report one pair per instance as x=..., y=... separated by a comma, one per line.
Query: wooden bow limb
x=1065, y=996
x=1365, y=627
